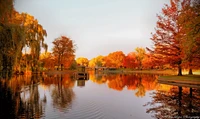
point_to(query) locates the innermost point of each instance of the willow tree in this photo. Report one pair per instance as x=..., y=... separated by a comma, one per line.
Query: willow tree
x=34, y=36
x=6, y=8
x=17, y=31
x=63, y=49
x=166, y=39
x=11, y=36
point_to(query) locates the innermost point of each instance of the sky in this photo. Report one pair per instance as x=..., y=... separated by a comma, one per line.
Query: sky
x=97, y=27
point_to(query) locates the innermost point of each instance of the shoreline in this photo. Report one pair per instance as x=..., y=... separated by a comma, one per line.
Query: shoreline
x=192, y=81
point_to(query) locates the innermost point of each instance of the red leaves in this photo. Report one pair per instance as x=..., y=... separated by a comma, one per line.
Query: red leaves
x=165, y=39
x=114, y=59
x=130, y=61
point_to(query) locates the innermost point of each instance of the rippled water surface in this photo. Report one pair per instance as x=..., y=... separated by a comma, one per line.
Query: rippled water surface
x=102, y=96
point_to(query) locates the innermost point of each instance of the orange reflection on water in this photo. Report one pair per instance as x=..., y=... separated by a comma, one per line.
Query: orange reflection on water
x=139, y=82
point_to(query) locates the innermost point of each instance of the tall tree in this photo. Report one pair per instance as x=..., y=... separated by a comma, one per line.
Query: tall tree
x=33, y=38
x=166, y=39
x=190, y=20
x=6, y=9
x=11, y=37
x=64, y=48
x=17, y=31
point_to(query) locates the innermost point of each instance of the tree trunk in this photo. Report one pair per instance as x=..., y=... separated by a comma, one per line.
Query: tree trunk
x=58, y=62
x=179, y=70
x=190, y=71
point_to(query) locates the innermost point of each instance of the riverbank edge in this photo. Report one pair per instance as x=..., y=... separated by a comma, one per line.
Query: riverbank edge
x=184, y=81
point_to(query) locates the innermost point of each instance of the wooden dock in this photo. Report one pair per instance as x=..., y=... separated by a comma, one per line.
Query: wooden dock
x=81, y=73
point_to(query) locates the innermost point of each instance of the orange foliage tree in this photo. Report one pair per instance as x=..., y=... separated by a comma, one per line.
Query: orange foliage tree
x=148, y=62
x=130, y=61
x=63, y=50
x=114, y=59
x=166, y=39
x=48, y=60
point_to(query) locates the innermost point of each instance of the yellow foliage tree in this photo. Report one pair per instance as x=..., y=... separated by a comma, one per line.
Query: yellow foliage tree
x=82, y=61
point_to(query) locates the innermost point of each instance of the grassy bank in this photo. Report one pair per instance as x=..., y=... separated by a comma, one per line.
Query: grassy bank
x=185, y=80
x=169, y=72
x=59, y=72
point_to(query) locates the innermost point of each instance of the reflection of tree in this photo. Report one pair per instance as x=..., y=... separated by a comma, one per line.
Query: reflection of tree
x=67, y=81
x=62, y=96
x=98, y=78
x=117, y=83
x=141, y=82
x=21, y=96
x=31, y=105
x=177, y=102
x=141, y=89
x=7, y=108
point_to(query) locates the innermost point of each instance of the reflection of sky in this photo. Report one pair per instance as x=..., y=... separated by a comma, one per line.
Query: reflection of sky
x=94, y=100
x=96, y=26
x=114, y=104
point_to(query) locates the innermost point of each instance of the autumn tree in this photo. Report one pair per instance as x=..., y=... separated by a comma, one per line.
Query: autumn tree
x=82, y=61
x=130, y=61
x=8, y=43
x=34, y=36
x=6, y=9
x=166, y=39
x=114, y=59
x=63, y=49
x=148, y=62
x=96, y=62
x=140, y=54
x=92, y=63
x=17, y=31
x=189, y=18
x=48, y=60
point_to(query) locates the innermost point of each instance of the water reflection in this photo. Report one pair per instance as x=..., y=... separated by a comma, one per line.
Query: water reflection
x=7, y=108
x=57, y=96
x=62, y=94
x=177, y=102
x=139, y=82
x=81, y=82
x=20, y=94
x=22, y=97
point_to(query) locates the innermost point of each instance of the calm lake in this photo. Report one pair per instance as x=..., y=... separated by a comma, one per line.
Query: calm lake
x=102, y=96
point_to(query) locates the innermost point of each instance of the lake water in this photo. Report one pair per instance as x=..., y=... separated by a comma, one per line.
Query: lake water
x=103, y=96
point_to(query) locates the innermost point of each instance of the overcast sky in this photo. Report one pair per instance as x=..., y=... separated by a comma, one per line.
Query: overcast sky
x=98, y=27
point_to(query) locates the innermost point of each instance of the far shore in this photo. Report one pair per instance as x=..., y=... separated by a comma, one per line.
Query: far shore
x=153, y=71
